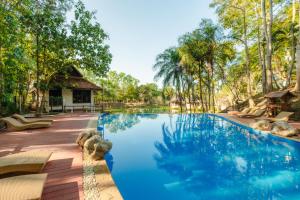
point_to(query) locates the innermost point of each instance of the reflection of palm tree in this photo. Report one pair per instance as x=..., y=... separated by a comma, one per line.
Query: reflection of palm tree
x=205, y=151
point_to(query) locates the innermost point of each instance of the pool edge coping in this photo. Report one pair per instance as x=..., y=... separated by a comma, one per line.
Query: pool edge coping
x=105, y=185
x=245, y=125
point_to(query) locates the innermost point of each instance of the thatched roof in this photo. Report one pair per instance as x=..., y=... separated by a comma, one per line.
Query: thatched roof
x=74, y=79
x=80, y=83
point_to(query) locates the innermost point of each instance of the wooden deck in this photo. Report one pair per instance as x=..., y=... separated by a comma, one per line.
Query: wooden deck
x=64, y=168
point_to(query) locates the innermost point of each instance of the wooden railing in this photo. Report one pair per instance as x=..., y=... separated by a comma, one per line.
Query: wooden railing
x=87, y=108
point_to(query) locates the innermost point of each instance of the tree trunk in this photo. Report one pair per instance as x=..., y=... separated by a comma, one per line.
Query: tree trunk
x=200, y=87
x=262, y=62
x=42, y=102
x=46, y=80
x=208, y=88
x=189, y=97
x=26, y=92
x=212, y=85
x=1, y=80
x=293, y=46
x=292, y=62
x=179, y=95
x=183, y=102
x=270, y=48
x=207, y=100
x=268, y=38
x=193, y=97
x=297, y=86
x=19, y=96
x=261, y=55
x=249, y=89
x=37, y=74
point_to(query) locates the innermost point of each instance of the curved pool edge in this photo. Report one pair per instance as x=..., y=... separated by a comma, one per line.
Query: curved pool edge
x=246, y=126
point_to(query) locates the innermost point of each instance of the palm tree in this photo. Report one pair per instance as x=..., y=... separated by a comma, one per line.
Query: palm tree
x=192, y=50
x=206, y=52
x=169, y=68
x=212, y=36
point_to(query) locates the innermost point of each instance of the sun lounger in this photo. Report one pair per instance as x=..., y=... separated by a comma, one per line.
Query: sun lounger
x=251, y=111
x=23, y=187
x=244, y=111
x=28, y=121
x=12, y=123
x=257, y=113
x=262, y=103
x=282, y=116
x=24, y=162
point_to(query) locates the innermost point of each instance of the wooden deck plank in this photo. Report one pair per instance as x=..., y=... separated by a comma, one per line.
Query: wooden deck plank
x=65, y=165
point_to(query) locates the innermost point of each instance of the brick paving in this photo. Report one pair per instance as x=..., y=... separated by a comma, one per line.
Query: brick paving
x=64, y=168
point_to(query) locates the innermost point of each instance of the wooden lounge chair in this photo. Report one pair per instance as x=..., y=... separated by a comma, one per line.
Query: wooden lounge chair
x=250, y=112
x=257, y=113
x=262, y=103
x=23, y=187
x=244, y=111
x=24, y=162
x=282, y=116
x=14, y=124
x=28, y=121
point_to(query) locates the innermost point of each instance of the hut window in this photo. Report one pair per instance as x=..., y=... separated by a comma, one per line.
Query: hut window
x=81, y=96
x=55, y=97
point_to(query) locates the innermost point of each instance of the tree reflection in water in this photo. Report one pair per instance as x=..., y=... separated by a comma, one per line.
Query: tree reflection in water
x=121, y=122
x=210, y=157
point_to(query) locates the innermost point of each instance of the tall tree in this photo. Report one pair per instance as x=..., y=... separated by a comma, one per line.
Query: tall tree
x=293, y=44
x=206, y=52
x=88, y=48
x=297, y=86
x=260, y=50
x=230, y=12
x=14, y=66
x=267, y=30
x=170, y=70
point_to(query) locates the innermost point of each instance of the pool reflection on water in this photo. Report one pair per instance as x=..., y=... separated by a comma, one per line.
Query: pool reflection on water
x=198, y=156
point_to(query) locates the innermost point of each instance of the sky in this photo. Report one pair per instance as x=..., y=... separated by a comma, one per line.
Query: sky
x=139, y=30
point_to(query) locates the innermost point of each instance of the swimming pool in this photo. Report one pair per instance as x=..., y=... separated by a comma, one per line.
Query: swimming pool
x=198, y=156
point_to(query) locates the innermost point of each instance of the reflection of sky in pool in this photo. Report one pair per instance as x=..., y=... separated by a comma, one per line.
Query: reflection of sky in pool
x=198, y=157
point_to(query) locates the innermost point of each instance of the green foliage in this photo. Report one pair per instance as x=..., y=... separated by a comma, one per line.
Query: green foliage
x=149, y=92
x=87, y=42
x=168, y=66
x=168, y=93
x=210, y=68
x=213, y=64
x=197, y=64
x=36, y=43
x=122, y=87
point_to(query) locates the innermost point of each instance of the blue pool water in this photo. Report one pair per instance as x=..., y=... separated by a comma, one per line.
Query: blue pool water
x=194, y=156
